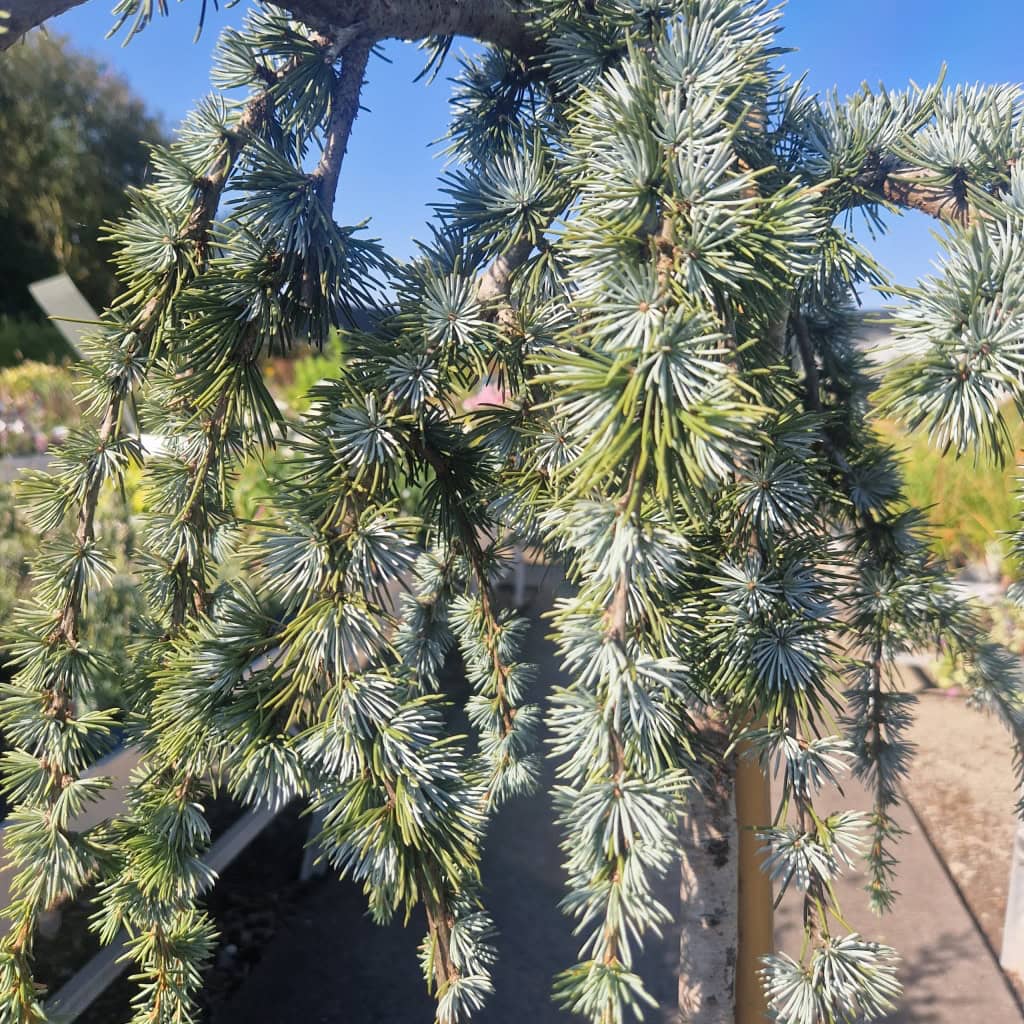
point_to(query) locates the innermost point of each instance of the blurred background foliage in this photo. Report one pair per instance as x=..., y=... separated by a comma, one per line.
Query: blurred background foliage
x=73, y=137
x=37, y=407
x=971, y=505
x=115, y=610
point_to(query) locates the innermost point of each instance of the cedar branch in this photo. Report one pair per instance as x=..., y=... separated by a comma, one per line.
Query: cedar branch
x=913, y=188
x=489, y=21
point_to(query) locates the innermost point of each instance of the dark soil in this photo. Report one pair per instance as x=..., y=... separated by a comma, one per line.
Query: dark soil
x=253, y=897
x=58, y=958
x=256, y=896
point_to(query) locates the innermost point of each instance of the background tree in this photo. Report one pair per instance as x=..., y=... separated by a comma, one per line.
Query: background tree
x=646, y=245
x=74, y=139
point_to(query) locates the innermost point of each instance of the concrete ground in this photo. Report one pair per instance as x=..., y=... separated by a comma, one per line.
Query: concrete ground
x=963, y=787
x=949, y=974
x=331, y=964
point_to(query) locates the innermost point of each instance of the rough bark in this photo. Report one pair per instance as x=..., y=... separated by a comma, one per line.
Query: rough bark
x=344, y=110
x=709, y=886
x=912, y=188
x=27, y=14
x=490, y=21
x=495, y=280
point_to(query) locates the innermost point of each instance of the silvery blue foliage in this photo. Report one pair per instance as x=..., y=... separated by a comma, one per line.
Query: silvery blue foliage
x=644, y=254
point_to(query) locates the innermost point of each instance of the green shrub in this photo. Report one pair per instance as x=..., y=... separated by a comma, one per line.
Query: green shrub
x=37, y=404
x=22, y=338
x=970, y=505
x=254, y=485
x=309, y=370
x=115, y=610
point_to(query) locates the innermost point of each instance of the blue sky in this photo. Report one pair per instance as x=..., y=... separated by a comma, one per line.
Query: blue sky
x=390, y=173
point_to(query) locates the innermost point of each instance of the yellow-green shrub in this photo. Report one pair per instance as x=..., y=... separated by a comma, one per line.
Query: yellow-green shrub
x=971, y=505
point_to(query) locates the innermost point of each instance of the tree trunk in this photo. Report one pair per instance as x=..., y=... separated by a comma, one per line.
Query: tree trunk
x=709, y=848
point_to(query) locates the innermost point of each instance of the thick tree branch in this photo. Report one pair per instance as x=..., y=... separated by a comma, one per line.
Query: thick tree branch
x=27, y=14
x=496, y=280
x=489, y=21
x=344, y=108
x=914, y=188
x=494, y=285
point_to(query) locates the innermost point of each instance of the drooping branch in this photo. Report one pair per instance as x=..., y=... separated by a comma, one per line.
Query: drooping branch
x=812, y=385
x=211, y=187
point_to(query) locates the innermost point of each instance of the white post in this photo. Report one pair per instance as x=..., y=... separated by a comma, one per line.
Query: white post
x=1011, y=958
x=519, y=591
x=69, y=311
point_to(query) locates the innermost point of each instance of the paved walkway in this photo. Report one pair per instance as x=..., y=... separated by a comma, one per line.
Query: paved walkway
x=330, y=964
x=949, y=974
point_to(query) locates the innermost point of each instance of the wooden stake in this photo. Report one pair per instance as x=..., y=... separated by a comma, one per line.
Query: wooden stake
x=756, y=936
